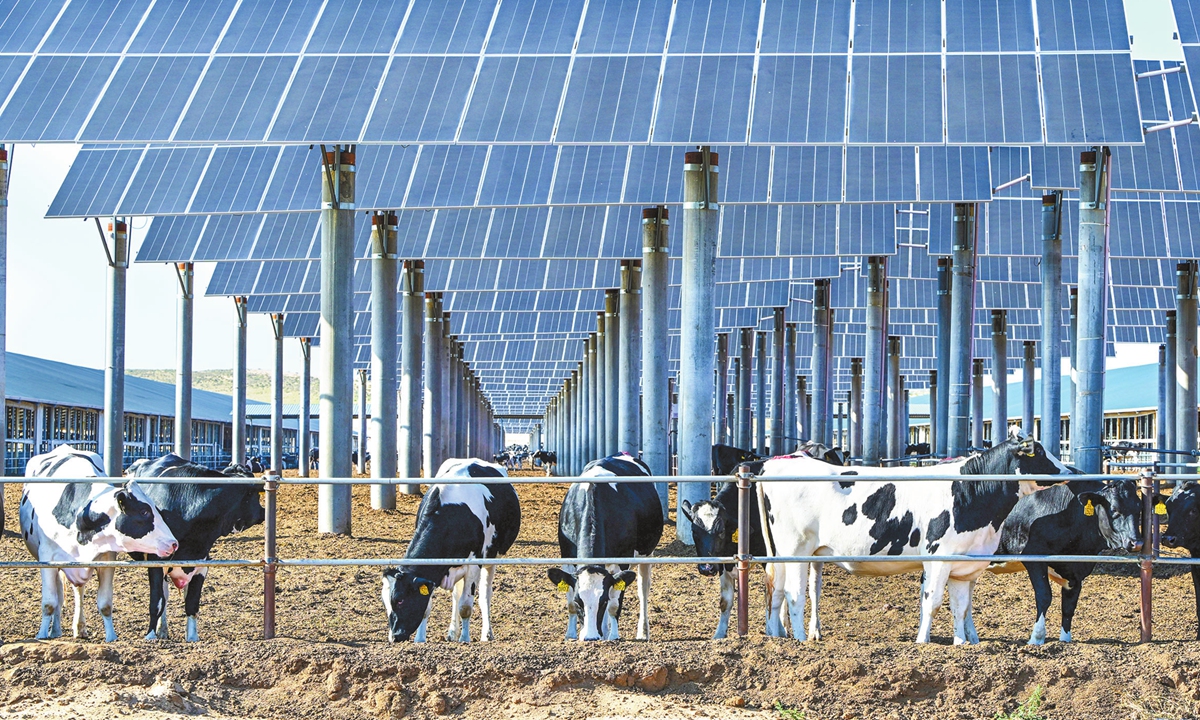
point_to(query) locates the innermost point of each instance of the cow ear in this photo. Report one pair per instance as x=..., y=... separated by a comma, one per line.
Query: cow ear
x=422, y=586
x=686, y=508
x=1090, y=501
x=565, y=581
x=623, y=580
x=88, y=523
x=122, y=498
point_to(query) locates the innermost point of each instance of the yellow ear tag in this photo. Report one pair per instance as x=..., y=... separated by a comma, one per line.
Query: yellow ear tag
x=563, y=586
x=1088, y=509
x=619, y=586
x=735, y=535
x=423, y=589
x=1160, y=509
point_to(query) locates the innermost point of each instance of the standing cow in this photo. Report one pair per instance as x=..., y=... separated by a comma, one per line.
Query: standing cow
x=913, y=521
x=84, y=522
x=1183, y=529
x=546, y=459
x=453, y=521
x=198, y=514
x=607, y=519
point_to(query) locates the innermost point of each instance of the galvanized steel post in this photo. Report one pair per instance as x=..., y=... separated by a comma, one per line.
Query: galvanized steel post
x=1093, y=305
x=590, y=409
x=1027, y=389
x=276, y=467
x=790, y=430
x=856, y=407
x=722, y=382
x=3, y=299
x=1160, y=416
x=999, y=375
x=1052, y=303
x=304, y=422
x=600, y=408
x=760, y=393
x=697, y=328
x=976, y=404
x=962, y=319
x=822, y=371
x=239, y=383
x=433, y=409
x=895, y=391
x=803, y=415
x=874, y=442
x=362, y=422
x=612, y=370
x=743, y=552
x=114, y=367
x=629, y=435
x=1149, y=487
x=1073, y=370
x=744, y=405
x=336, y=370
x=410, y=438
x=944, y=309
x=655, y=312
x=935, y=405
x=1185, y=358
x=1172, y=343
x=270, y=505
x=777, y=379
x=382, y=437
x=186, y=272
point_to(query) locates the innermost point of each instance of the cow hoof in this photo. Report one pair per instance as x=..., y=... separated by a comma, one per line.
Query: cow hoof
x=1064, y=636
x=110, y=637
x=151, y=636
x=192, y=637
x=1036, y=641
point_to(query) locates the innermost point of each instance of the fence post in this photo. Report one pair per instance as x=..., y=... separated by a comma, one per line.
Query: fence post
x=1149, y=488
x=743, y=552
x=270, y=485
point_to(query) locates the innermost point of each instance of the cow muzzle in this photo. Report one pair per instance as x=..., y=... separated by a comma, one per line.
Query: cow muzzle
x=708, y=569
x=167, y=549
x=1135, y=546
x=1170, y=541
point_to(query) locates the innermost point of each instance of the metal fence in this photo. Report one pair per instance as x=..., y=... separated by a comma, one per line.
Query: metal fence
x=271, y=562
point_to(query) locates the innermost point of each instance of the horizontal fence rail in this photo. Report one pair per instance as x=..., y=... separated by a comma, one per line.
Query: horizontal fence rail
x=270, y=562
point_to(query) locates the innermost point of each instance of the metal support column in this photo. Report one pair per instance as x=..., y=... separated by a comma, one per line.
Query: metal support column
x=590, y=409
x=629, y=360
x=383, y=435
x=114, y=367
x=410, y=439
x=1052, y=303
x=362, y=422
x=276, y=466
x=962, y=318
x=760, y=393
x=612, y=370
x=654, y=345
x=856, y=407
x=873, y=424
x=944, y=308
x=701, y=221
x=433, y=417
x=186, y=272
x=822, y=371
x=304, y=422
x=803, y=414
x=1185, y=357
x=239, y=382
x=1073, y=370
x=999, y=376
x=790, y=431
x=722, y=383
x=935, y=406
x=1172, y=343
x=976, y=404
x=777, y=379
x=1093, y=306
x=600, y=406
x=895, y=392
x=744, y=404
x=1160, y=418
x=1027, y=369
x=336, y=371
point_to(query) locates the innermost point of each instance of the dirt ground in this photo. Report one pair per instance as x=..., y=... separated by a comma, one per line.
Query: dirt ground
x=331, y=659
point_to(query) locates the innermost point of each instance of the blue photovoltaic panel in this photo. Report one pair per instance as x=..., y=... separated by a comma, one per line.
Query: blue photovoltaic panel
x=897, y=26
x=457, y=233
x=867, y=230
x=954, y=173
x=516, y=232
x=95, y=183
x=704, y=97
x=281, y=277
x=171, y=239
x=992, y=99
x=749, y=230
x=801, y=98
x=1009, y=164
x=1182, y=221
x=515, y=100
x=270, y=26
x=610, y=99
x=357, y=26
x=95, y=27
x=296, y=181
x=653, y=176
x=715, y=26
x=233, y=278
x=822, y=26
x=183, y=26
x=1088, y=97
x=1147, y=167
x=237, y=98
x=160, y=179
x=422, y=98
x=745, y=173
x=1136, y=230
x=1055, y=167
x=236, y=179
x=329, y=99
x=623, y=233
x=23, y=23
x=896, y=99
x=446, y=26
x=807, y=174
x=535, y=26
x=572, y=232
x=989, y=26
x=287, y=237
x=625, y=26
x=144, y=99
x=518, y=175
x=881, y=174
x=471, y=275
x=447, y=175
x=590, y=174
x=807, y=230
x=383, y=173
x=227, y=237
x=412, y=232
x=54, y=98
x=1081, y=25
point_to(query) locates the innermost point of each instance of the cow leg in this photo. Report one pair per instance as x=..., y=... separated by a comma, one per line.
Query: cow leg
x=814, y=590
x=775, y=598
x=487, y=575
x=419, y=635
x=960, y=604
x=1070, y=598
x=969, y=618
x=1042, y=596
x=466, y=602
x=643, y=581
x=455, y=629
x=78, y=628
x=104, y=598
x=932, y=592
x=167, y=585
x=191, y=604
x=726, y=589
x=158, y=604
x=795, y=584
x=51, y=604
x=572, y=608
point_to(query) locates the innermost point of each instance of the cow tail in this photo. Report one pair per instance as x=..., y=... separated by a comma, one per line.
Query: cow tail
x=768, y=542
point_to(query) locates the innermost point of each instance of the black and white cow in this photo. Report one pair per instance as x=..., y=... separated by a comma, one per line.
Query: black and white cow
x=546, y=459
x=1183, y=529
x=197, y=514
x=726, y=458
x=84, y=522
x=607, y=519
x=1081, y=517
x=913, y=521
x=453, y=521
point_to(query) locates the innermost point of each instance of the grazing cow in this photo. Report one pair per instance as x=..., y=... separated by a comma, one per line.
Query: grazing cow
x=913, y=521
x=453, y=521
x=607, y=519
x=84, y=522
x=714, y=530
x=726, y=458
x=546, y=459
x=1183, y=529
x=1081, y=517
x=917, y=449
x=197, y=514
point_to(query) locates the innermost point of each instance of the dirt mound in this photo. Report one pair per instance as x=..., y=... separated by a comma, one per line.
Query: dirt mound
x=332, y=659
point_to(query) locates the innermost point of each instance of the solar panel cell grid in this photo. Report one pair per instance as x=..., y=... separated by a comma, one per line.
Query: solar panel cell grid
x=515, y=99
x=422, y=98
x=704, y=99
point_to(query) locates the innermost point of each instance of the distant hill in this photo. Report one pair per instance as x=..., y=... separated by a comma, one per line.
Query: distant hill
x=258, y=383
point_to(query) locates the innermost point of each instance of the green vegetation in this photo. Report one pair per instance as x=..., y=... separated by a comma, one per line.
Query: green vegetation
x=1031, y=709
x=787, y=713
x=258, y=383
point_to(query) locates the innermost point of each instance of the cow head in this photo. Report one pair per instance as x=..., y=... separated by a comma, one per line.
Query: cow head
x=594, y=589
x=1018, y=455
x=712, y=532
x=406, y=599
x=124, y=519
x=1183, y=517
x=726, y=458
x=1118, y=512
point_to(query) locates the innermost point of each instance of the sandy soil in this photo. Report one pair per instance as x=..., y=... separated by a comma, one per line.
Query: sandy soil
x=331, y=659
